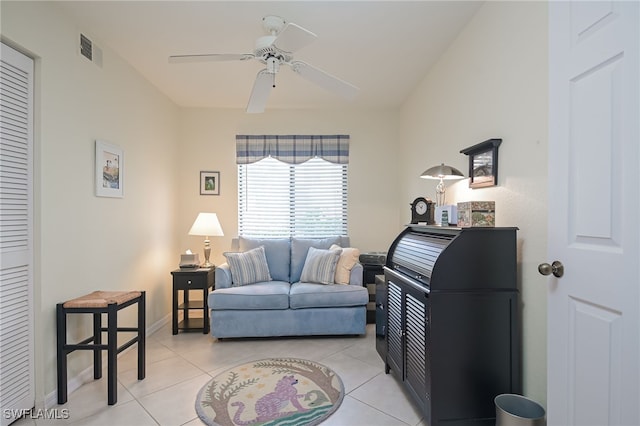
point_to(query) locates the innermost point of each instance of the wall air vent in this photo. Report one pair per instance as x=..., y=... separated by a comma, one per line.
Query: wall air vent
x=86, y=47
x=90, y=51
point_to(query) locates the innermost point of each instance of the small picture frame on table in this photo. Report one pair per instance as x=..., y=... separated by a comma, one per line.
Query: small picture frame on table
x=483, y=163
x=109, y=170
x=209, y=183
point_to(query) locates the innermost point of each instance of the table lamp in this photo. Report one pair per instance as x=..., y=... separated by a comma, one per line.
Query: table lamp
x=207, y=225
x=441, y=172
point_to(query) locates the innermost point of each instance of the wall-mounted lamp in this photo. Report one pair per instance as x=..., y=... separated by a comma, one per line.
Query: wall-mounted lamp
x=207, y=225
x=442, y=173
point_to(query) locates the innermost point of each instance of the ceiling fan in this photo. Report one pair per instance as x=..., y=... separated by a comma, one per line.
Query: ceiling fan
x=273, y=50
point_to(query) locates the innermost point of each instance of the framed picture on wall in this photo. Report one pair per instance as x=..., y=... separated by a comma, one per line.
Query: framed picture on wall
x=483, y=163
x=209, y=183
x=109, y=170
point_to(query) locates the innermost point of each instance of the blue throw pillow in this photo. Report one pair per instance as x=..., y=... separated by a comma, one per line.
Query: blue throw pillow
x=320, y=266
x=249, y=267
x=299, y=250
x=277, y=251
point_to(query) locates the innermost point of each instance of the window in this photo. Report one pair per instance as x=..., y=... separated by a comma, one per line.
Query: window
x=277, y=199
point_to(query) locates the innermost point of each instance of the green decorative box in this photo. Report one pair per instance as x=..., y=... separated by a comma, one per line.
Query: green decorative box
x=477, y=213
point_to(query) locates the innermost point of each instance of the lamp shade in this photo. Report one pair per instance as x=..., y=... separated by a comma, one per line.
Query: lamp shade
x=207, y=224
x=442, y=172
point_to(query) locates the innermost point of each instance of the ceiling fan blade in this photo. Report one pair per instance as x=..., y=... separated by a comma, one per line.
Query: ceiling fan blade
x=260, y=92
x=213, y=57
x=293, y=38
x=325, y=80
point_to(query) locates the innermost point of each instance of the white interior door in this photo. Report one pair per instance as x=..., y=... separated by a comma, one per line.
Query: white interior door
x=594, y=178
x=16, y=235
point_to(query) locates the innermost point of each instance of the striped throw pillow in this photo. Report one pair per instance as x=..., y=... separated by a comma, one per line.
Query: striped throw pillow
x=248, y=267
x=320, y=266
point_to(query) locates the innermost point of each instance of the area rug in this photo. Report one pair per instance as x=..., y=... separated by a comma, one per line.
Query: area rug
x=274, y=391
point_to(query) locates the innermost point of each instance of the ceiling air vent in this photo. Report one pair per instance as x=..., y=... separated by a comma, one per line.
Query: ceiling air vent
x=90, y=51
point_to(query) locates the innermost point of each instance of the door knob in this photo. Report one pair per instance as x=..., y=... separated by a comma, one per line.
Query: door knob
x=556, y=268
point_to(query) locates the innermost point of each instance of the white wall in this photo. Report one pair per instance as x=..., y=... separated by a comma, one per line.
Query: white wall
x=84, y=242
x=492, y=83
x=208, y=143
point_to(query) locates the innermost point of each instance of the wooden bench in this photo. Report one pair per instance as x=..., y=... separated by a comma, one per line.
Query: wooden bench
x=98, y=303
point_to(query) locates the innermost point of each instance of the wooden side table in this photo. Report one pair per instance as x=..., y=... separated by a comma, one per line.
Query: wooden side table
x=369, y=272
x=199, y=279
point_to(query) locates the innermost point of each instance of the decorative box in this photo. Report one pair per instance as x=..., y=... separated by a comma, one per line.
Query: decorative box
x=476, y=213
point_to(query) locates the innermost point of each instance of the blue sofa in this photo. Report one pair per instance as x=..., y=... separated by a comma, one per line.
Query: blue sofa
x=285, y=306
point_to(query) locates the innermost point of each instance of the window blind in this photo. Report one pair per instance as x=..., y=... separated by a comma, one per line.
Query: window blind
x=276, y=199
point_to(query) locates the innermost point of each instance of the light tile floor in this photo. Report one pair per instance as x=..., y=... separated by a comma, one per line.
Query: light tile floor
x=178, y=366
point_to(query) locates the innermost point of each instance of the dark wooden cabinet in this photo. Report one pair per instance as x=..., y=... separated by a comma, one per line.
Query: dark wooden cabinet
x=186, y=280
x=407, y=334
x=452, y=329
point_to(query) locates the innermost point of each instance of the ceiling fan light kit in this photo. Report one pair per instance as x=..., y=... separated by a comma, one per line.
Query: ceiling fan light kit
x=277, y=48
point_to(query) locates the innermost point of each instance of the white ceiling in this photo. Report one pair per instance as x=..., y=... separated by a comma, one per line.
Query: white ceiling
x=383, y=47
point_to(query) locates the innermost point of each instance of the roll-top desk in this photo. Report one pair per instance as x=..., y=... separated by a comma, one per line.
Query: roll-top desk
x=452, y=328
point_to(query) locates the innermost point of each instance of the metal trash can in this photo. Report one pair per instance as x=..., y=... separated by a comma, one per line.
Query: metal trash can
x=516, y=410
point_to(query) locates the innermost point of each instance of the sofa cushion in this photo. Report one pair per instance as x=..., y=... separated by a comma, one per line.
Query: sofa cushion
x=320, y=266
x=348, y=259
x=308, y=295
x=299, y=248
x=266, y=295
x=277, y=251
x=248, y=267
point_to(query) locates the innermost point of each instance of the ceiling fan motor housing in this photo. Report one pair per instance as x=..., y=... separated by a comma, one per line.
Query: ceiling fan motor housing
x=264, y=46
x=265, y=50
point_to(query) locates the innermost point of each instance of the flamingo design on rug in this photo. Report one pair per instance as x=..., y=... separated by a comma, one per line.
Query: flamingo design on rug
x=270, y=405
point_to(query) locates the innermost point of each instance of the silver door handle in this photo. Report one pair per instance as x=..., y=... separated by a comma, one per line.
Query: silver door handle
x=556, y=268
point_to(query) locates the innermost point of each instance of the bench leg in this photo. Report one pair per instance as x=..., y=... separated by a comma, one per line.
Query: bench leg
x=112, y=354
x=142, y=326
x=61, y=333
x=97, y=340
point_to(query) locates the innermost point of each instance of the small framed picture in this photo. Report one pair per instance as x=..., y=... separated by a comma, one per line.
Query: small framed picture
x=209, y=183
x=483, y=163
x=109, y=170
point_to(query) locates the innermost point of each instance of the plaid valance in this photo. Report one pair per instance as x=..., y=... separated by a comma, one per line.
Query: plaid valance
x=292, y=149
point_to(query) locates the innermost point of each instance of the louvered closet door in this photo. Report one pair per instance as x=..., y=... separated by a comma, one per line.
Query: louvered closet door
x=16, y=235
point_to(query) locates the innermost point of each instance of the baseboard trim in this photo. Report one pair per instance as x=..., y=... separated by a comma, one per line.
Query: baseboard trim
x=86, y=375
